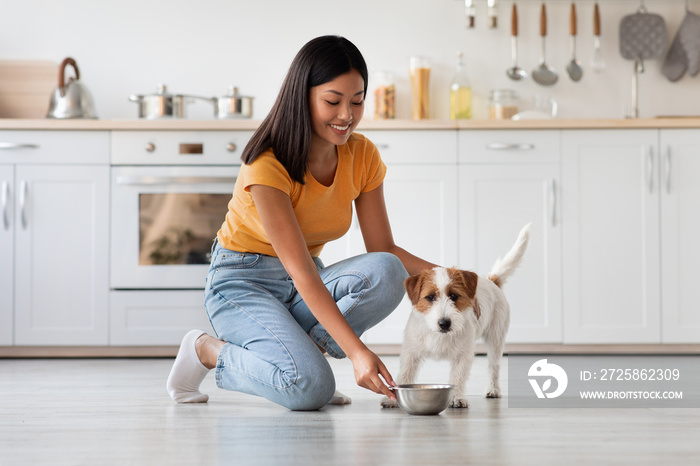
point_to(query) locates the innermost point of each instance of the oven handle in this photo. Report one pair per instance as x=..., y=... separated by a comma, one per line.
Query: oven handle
x=160, y=180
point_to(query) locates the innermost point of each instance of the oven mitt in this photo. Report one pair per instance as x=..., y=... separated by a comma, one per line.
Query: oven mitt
x=689, y=36
x=676, y=62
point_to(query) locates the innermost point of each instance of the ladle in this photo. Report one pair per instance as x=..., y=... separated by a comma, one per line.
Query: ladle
x=515, y=72
x=543, y=74
x=574, y=68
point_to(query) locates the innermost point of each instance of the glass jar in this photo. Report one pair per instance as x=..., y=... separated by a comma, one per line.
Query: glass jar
x=385, y=97
x=503, y=104
x=420, y=88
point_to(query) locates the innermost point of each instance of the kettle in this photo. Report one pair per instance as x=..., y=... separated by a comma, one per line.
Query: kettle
x=70, y=99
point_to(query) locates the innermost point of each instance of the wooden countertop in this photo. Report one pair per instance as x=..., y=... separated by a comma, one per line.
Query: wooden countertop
x=366, y=124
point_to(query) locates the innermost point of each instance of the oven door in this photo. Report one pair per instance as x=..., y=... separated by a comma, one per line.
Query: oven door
x=164, y=220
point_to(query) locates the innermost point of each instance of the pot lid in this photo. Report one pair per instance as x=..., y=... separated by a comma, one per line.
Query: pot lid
x=233, y=92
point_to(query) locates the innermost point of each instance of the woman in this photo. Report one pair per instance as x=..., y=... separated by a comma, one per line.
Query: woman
x=274, y=306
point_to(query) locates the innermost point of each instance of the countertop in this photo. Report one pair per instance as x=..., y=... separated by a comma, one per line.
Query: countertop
x=366, y=124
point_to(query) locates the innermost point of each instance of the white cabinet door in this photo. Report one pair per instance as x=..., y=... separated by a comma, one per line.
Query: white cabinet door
x=611, y=236
x=62, y=227
x=680, y=230
x=7, y=240
x=422, y=206
x=496, y=201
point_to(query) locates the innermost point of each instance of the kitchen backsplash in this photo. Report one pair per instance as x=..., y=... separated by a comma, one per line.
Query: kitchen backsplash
x=127, y=47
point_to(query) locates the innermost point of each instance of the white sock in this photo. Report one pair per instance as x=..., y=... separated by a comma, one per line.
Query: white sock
x=187, y=372
x=340, y=399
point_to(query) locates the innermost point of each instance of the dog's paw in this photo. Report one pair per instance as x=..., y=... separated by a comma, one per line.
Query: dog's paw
x=459, y=402
x=493, y=393
x=387, y=403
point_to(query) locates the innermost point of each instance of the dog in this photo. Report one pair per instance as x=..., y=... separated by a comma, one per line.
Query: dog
x=451, y=310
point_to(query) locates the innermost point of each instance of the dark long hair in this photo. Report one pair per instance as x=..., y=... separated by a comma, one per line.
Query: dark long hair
x=287, y=129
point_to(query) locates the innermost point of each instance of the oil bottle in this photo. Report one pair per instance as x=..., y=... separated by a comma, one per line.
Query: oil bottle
x=460, y=92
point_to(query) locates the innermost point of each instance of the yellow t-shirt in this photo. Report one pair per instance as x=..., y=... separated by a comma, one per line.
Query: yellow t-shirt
x=324, y=213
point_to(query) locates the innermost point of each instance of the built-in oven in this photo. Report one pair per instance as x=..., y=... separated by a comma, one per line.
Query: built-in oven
x=163, y=222
x=170, y=193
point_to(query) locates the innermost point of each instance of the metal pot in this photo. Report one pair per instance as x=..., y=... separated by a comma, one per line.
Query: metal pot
x=70, y=99
x=233, y=105
x=160, y=105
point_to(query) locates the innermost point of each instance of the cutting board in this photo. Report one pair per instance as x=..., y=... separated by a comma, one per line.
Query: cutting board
x=26, y=87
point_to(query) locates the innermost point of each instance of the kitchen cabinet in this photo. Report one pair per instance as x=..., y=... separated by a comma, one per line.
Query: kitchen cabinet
x=508, y=179
x=59, y=214
x=420, y=189
x=680, y=229
x=7, y=245
x=611, y=253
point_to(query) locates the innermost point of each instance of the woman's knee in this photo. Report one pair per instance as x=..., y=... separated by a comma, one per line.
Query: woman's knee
x=391, y=275
x=310, y=391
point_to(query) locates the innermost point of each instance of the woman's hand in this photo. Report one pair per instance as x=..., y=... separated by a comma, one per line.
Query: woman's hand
x=368, y=367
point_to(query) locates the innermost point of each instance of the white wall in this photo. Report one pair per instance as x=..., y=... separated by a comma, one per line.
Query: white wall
x=199, y=47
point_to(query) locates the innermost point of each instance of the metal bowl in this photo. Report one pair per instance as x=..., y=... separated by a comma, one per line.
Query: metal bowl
x=423, y=398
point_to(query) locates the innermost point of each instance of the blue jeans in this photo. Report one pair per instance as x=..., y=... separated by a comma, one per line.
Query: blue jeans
x=254, y=307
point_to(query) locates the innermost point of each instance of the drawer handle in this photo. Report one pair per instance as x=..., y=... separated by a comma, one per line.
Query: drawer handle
x=504, y=146
x=161, y=180
x=382, y=146
x=5, y=198
x=14, y=145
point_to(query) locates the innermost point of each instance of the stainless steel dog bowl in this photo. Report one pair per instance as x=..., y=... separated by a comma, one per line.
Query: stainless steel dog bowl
x=423, y=398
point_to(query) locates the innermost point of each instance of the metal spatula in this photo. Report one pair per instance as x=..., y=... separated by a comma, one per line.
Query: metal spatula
x=543, y=74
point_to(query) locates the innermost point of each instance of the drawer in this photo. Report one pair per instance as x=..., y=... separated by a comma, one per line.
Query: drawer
x=54, y=147
x=509, y=146
x=154, y=318
x=178, y=147
x=415, y=147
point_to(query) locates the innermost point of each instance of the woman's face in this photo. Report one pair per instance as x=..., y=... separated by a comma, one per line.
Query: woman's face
x=336, y=108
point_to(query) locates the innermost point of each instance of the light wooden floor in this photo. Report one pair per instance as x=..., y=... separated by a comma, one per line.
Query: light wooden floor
x=116, y=412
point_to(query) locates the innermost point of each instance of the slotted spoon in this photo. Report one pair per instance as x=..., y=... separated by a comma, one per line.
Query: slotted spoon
x=543, y=74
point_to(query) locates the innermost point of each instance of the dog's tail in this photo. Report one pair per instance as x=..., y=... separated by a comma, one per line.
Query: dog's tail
x=504, y=268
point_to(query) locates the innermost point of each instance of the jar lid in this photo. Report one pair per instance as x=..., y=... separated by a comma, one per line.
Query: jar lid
x=506, y=94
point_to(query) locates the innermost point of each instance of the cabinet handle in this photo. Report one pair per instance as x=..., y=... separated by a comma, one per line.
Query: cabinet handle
x=553, y=202
x=668, y=170
x=14, y=145
x=504, y=146
x=382, y=146
x=5, y=199
x=650, y=169
x=23, y=193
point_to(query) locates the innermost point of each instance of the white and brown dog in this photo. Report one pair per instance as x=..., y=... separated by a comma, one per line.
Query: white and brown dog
x=452, y=309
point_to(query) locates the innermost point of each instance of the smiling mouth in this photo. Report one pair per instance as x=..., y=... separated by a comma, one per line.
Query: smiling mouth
x=340, y=128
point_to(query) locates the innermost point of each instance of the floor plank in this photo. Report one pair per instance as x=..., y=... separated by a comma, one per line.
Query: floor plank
x=116, y=412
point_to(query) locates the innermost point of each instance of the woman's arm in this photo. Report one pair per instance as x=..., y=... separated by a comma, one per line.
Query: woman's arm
x=280, y=223
x=376, y=230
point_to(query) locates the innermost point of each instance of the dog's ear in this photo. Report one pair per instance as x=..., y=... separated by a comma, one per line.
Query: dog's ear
x=412, y=285
x=470, y=280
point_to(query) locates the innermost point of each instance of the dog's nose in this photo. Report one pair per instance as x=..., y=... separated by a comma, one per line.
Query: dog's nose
x=444, y=324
